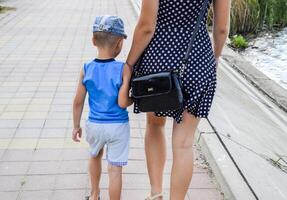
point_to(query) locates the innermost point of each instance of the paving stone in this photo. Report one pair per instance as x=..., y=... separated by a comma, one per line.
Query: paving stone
x=53, y=133
x=8, y=89
x=2, y=151
x=53, y=123
x=20, y=101
x=10, y=183
x=68, y=194
x=74, y=167
x=39, y=182
x=45, y=94
x=4, y=143
x=75, y=154
x=4, y=101
x=136, y=154
x=11, y=115
x=16, y=108
x=14, y=168
x=28, y=89
x=28, y=133
x=47, y=89
x=71, y=181
x=44, y=168
x=38, y=108
x=9, y=123
x=61, y=108
x=23, y=143
x=59, y=115
x=7, y=132
x=18, y=155
x=9, y=195
x=55, y=143
x=21, y=94
x=2, y=108
x=35, y=115
x=205, y=194
x=35, y=195
x=47, y=154
x=32, y=123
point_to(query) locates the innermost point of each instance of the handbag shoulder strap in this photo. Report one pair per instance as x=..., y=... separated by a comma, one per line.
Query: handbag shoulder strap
x=193, y=36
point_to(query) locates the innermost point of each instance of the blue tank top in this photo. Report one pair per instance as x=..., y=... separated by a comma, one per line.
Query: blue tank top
x=103, y=79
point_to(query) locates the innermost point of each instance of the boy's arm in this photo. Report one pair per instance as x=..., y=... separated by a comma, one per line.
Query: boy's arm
x=123, y=99
x=78, y=105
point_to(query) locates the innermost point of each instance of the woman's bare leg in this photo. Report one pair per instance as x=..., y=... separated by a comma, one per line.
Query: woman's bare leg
x=155, y=149
x=182, y=147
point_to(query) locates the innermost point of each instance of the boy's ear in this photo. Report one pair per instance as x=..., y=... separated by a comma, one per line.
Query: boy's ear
x=94, y=41
x=120, y=41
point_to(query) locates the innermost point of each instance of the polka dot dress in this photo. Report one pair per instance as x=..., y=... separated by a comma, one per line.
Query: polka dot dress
x=175, y=24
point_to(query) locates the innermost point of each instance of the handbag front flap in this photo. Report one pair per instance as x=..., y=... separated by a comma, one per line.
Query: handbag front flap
x=151, y=85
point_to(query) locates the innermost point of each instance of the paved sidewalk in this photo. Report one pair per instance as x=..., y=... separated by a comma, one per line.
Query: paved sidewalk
x=43, y=44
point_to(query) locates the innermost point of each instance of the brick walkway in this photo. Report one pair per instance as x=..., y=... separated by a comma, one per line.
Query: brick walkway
x=42, y=47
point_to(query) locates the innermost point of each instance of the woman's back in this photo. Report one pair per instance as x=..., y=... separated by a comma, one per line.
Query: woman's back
x=178, y=13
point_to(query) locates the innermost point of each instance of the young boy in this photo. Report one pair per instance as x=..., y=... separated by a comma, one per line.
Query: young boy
x=107, y=83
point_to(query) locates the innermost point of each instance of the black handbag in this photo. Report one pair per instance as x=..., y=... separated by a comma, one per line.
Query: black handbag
x=161, y=92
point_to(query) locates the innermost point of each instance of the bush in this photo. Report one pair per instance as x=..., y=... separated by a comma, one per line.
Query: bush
x=251, y=16
x=239, y=42
x=277, y=13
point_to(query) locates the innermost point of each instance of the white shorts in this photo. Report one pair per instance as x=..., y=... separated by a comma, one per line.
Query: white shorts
x=116, y=137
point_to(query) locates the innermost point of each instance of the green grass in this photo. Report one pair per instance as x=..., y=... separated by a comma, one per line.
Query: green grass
x=254, y=16
x=239, y=42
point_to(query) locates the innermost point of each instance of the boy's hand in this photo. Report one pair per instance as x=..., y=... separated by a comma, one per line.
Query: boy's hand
x=77, y=134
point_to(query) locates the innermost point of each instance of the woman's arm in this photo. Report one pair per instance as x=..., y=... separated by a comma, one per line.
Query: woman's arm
x=144, y=30
x=123, y=99
x=221, y=21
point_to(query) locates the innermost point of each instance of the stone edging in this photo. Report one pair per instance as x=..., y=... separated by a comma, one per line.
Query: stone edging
x=224, y=170
x=268, y=87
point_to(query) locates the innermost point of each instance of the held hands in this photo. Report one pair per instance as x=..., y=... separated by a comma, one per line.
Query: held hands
x=77, y=134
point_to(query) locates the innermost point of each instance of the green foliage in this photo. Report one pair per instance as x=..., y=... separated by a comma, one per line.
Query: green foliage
x=239, y=42
x=251, y=16
x=244, y=16
x=277, y=13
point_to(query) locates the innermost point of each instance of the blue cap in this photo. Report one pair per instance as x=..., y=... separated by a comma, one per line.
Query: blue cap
x=110, y=24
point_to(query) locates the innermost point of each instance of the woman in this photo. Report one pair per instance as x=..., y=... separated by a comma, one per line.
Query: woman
x=160, y=40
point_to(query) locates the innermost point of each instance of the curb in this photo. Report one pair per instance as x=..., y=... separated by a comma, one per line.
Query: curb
x=224, y=170
x=258, y=79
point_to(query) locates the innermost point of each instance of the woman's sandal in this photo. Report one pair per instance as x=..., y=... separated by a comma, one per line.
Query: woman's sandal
x=154, y=197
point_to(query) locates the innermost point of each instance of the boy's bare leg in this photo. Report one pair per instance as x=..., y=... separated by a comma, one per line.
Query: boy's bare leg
x=115, y=182
x=95, y=168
